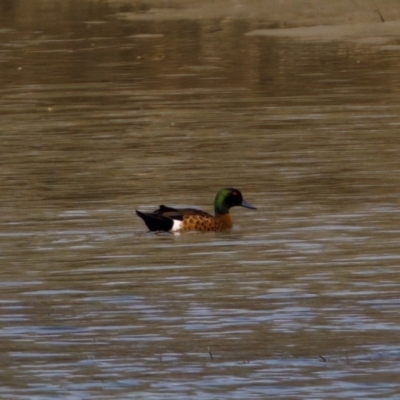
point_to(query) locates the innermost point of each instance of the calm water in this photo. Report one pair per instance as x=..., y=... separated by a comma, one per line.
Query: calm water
x=100, y=116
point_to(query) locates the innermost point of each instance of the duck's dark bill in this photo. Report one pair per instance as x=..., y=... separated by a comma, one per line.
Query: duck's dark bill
x=247, y=205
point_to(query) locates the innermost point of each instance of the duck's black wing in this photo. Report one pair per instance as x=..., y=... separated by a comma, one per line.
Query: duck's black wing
x=178, y=213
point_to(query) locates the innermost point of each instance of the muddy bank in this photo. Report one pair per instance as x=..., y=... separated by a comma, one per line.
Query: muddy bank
x=282, y=13
x=369, y=22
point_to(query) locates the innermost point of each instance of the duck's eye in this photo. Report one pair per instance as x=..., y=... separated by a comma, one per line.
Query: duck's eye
x=235, y=193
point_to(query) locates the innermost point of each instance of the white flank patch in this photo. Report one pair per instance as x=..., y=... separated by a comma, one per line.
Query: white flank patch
x=177, y=226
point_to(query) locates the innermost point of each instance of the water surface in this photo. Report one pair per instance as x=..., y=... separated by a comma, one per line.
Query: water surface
x=101, y=116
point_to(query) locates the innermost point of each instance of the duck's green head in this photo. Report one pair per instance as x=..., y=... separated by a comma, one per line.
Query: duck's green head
x=228, y=198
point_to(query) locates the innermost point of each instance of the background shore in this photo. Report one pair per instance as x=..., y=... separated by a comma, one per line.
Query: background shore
x=302, y=19
x=282, y=13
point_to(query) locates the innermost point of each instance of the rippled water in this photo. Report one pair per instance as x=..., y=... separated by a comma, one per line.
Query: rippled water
x=101, y=116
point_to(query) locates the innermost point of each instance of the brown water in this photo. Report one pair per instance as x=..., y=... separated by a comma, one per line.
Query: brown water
x=100, y=116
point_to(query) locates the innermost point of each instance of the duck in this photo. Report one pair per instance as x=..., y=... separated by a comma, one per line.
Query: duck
x=170, y=219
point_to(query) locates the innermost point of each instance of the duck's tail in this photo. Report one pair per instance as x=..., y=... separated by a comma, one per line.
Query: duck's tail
x=156, y=222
